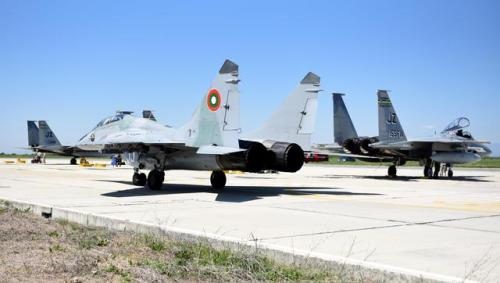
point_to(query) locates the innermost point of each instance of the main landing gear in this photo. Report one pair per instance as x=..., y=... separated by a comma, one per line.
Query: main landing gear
x=392, y=171
x=428, y=168
x=139, y=179
x=154, y=180
x=156, y=177
x=218, y=180
x=72, y=161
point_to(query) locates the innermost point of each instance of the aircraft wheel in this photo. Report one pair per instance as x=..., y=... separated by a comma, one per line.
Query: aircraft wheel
x=155, y=179
x=428, y=171
x=139, y=179
x=72, y=161
x=218, y=180
x=450, y=173
x=392, y=171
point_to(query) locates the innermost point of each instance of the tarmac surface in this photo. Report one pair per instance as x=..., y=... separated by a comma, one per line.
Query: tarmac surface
x=446, y=229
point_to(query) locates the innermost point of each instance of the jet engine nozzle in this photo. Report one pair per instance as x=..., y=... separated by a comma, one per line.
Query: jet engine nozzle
x=285, y=157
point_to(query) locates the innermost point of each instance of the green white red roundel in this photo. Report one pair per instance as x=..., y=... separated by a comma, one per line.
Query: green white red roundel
x=213, y=100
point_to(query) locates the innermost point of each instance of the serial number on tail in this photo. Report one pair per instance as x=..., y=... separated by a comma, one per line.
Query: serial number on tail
x=395, y=134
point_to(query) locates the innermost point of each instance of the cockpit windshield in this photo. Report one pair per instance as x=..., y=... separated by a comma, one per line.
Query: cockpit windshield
x=117, y=117
x=457, y=126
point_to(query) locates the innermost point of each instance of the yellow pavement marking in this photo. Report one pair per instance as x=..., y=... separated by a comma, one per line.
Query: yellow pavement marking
x=488, y=207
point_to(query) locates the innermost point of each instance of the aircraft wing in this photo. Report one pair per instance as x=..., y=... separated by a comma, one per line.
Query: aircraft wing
x=355, y=155
x=336, y=150
x=420, y=143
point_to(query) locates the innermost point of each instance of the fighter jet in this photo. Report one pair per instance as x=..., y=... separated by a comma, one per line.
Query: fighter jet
x=209, y=141
x=452, y=146
x=42, y=139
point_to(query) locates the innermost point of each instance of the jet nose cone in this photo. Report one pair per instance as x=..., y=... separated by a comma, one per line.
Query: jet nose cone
x=488, y=150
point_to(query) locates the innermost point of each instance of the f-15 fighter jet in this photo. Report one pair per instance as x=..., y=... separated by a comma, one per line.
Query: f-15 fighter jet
x=452, y=146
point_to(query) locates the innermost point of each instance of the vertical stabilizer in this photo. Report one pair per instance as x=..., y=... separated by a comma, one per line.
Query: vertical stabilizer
x=389, y=126
x=47, y=137
x=216, y=121
x=294, y=121
x=33, y=134
x=343, y=128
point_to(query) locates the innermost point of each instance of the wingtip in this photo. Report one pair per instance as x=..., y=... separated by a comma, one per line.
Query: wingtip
x=311, y=78
x=228, y=67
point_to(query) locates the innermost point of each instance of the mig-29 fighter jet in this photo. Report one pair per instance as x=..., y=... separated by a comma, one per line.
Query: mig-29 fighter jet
x=452, y=146
x=209, y=141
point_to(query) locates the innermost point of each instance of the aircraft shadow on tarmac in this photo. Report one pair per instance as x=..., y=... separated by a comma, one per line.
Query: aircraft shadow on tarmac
x=409, y=178
x=232, y=193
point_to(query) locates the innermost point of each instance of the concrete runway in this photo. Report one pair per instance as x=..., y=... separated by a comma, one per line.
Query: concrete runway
x=442, y=229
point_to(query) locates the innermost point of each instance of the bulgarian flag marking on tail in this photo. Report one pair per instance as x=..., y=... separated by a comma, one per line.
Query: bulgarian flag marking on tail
x=213, y=100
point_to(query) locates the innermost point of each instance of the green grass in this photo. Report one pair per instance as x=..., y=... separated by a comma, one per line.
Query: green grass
x=487, y=162
x=101, y=255
x=125, y=276
x=212, y=264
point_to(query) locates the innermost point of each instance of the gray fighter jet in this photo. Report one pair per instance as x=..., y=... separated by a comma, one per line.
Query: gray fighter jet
x=209, y=141
x=452, y=146
x=42, y=139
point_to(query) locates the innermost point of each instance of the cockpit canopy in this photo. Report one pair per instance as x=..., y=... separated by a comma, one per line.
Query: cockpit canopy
x=117, y=117
x=457, y=126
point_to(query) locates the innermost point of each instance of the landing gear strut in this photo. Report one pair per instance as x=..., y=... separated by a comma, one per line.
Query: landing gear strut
x=218, y=180
x=428, y=168
x=155, y=179
x=450, y=170
x=437, y=168
x=392, y=171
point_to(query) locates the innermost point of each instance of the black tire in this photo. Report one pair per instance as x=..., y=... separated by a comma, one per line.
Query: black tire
x=72, y=161
x=139, y=179
x=450, y=173
x=218, y=180
x=143, y=179
x=155, y=179
x=392, y=171
x=428, y=171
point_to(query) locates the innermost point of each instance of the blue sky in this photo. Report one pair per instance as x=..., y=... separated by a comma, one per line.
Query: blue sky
x=74, y=62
